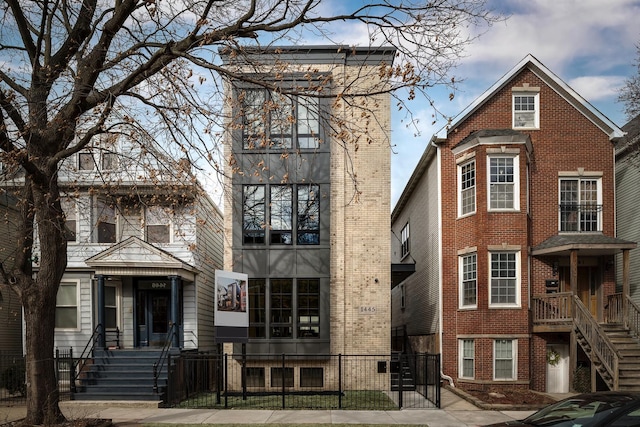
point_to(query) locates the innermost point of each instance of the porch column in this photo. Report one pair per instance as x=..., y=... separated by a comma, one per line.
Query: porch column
x=175, y=310
x=574, y=271
x=102, y=339
x=625, y=286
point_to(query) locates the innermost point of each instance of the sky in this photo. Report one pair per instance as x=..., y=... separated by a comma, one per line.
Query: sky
x=589, y=44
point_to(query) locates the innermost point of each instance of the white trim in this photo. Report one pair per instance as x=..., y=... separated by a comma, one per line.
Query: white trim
x=516, y=182
x=536, y=109
x=461, y=304
x=475, y=187
x=518, y=281
x=514, y=360
x=461, y=358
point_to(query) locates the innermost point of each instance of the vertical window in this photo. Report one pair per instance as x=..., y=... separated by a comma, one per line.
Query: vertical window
x=308, y=295
x=580, y=205
x=254, y=118
x=109, y=161
x=281, y=306
x=504, y=360
x=71, y=219
x=308, y=218
x=110, y=307
x=504, y=278
x=467, y=196
x=67, y=306
x=157, y=224
x=469, y=281
x=281, y=119
x=308, y=124
x=526, y=111
x=404, y=241
x=281, y=207
x=467, y=358
x=253, y=214
x=85, y=162
x=503, y=183
x=255, y=376
x=106, y=222
x=257, y=308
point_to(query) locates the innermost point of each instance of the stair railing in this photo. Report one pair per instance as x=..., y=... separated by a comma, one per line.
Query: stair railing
x=77, y=365
x=159, y=364
x=633, y=319
x=600, y=345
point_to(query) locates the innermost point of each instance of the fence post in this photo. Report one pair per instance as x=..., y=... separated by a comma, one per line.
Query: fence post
x=226, y=380
x=400, y=380
x=218, y=373
x=340, y=381
x=72, y=372
x=437, y=379
x=155, y=377
x=243, y=373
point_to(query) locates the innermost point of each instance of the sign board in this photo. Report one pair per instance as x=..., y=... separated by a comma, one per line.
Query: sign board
x=231, y=314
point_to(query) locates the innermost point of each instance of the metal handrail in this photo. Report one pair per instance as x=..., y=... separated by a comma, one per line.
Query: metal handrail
x=159, y=364
x=84, y=356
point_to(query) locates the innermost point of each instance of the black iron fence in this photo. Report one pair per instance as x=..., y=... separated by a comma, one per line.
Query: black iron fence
x=207, y=380
x=13, y=388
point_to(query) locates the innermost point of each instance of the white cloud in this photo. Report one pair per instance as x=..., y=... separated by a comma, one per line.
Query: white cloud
x=595, y=88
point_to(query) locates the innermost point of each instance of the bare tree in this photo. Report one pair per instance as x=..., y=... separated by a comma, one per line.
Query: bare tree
x=630, y=92
x=73, y=70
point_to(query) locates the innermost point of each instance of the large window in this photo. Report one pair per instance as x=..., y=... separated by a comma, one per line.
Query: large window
x=293, y=307
x=67, y=306
x=504, y=279
x=503, y=183
x=467, y=191
x=105, y=222
x=580, y=204
x=158, y=224
x=526, y=110
x=279, y=208
x=467, y=358
x=469, y=281
x=504, y=359
x=274, y=120
x=405, y=247
x=253, y=214
x=86, y=162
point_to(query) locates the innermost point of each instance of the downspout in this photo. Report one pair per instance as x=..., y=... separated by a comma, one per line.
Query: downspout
x=440, y=274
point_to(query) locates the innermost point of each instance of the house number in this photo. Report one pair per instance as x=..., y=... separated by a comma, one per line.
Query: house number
x=368, y=309
x=158, y=285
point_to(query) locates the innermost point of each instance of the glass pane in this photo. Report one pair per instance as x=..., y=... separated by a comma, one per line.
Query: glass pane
x=158, y=234
x=281, y=218
x=110, y=296
x=308, y=122
x=308, y=215
x=85, y=162
x=66, y=317
x=281, y=109
x=110, y=317
x=254, y=118
x=66, y=295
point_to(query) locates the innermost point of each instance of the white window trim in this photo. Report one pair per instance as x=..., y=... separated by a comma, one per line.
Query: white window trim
x=518, y=303
x=516, y=182
x=78, y=317
x=171, y=227
x=461, y=358
x=514, y=358
x=598, y=179
x=461, y=304
x=475, y=192
x=406, y=228
x=536, y=103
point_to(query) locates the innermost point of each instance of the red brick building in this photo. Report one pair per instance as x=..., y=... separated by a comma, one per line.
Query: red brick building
x=517, y=241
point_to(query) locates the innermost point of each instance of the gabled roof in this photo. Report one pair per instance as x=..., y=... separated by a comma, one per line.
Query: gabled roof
x=555, y=83
x=136, y=255
x=631, y=142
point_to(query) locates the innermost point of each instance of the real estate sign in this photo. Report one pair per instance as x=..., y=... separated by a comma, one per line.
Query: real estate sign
x=231, y=312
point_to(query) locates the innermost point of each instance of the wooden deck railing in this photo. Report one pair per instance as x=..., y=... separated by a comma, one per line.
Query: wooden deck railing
x=553, y=308
x=614, y=310
x=597, y=340
x=633, y=319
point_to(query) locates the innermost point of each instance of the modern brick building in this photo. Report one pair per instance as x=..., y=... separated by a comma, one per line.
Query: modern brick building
x=309, y=182
x=511, y=213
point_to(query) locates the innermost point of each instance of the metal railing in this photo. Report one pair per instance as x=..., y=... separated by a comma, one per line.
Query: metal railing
x=164, y=355
x=77, y=366
x=268, y=381
x=582, y=217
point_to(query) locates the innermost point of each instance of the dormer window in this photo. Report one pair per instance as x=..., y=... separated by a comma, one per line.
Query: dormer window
x=526, y=108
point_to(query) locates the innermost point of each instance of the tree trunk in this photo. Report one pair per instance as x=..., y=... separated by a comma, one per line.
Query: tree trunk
x=39, y=292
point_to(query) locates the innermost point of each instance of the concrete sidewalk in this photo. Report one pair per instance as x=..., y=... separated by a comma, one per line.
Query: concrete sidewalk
x=454, y=412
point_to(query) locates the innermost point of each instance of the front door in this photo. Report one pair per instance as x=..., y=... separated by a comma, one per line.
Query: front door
x=588, y=284
x=153, y=317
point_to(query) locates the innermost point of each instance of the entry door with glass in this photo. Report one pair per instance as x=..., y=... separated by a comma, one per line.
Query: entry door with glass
x=153, y=317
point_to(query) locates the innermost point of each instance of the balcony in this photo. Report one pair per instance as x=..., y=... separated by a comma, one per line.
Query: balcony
x=552, y=312
x=580, y=217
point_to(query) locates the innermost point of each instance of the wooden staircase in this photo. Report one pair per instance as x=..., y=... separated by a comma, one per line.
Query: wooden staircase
x=121, y=375
x=628, y=347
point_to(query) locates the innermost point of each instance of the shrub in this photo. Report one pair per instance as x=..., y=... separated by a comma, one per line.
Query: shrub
x=13, y=379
